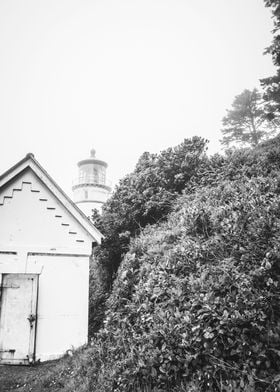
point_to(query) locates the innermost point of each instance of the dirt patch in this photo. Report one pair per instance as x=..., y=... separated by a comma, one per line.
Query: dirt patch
x=18, y=378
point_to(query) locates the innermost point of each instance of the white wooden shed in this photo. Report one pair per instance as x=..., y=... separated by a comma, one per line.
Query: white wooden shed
x=45, y=246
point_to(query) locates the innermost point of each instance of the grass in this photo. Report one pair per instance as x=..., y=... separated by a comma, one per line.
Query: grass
x=50, y=376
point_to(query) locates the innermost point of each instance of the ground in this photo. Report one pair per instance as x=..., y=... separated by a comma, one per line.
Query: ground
x=30, y=378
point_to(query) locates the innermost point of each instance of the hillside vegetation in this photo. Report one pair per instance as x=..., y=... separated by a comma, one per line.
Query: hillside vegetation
x=195, y=302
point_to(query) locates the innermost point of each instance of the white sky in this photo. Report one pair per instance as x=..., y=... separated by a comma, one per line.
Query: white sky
x=122, y=76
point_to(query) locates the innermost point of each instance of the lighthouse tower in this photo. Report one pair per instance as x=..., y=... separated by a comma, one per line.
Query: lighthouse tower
x=90, y=189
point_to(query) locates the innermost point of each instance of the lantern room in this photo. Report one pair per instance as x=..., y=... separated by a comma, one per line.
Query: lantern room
x=91, y=189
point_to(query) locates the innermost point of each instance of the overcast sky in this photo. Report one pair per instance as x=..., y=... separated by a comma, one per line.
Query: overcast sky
x=122, y=76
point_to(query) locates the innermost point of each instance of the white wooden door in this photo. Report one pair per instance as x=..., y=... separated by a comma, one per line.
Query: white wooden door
x=18, y=318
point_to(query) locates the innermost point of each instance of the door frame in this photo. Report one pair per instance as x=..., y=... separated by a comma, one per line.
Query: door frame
x=31, y=356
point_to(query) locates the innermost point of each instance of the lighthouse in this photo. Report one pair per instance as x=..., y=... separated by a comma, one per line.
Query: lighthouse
x=91, y=189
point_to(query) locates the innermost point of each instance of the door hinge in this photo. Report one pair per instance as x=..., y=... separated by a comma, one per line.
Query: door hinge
x=31, y=318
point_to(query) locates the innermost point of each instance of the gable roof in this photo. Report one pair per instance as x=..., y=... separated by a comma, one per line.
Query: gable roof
x=30, y=162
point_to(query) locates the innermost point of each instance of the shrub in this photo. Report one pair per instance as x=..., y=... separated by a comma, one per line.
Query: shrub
x=196, y=299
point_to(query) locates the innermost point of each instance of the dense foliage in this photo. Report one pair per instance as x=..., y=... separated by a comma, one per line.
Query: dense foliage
x=263, y=160
x=272, y=84
x=195, y=305
x=143, y=197
x=247, y=122
x=146, y=196
x=197, y=299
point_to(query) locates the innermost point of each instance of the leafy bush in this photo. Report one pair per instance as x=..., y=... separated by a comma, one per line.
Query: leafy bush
x=143, y=197
x=196, y=299
x=98, y=293
x=146, y=196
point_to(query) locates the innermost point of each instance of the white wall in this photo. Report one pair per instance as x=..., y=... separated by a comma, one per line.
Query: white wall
x=56, y=248
x=29, y=218
x=89, y=197
x=94, y=193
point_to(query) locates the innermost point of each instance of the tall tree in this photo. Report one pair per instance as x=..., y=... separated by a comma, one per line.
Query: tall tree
x=247, y=122
x=271, y=84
